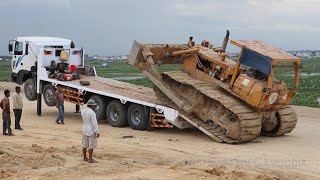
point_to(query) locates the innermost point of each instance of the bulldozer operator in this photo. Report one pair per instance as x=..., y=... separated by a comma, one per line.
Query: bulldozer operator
x=190, y=42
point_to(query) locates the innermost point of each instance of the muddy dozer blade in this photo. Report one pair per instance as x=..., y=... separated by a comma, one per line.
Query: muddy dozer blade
x=160, y=53
x=135, y=54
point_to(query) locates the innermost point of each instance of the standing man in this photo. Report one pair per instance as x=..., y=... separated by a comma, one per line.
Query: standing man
x=17, y=107
x=59, y=98
x=90, y=130
x=5, y=105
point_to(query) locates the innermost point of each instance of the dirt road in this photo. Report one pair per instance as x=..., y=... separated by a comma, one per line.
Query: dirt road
x=45, y=150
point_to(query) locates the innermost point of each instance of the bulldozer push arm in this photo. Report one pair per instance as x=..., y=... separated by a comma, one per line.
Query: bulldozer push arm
x=142, y=57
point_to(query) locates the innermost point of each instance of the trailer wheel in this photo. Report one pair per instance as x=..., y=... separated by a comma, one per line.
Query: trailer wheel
x=138, y=117
x=117, y=114
x=30, y=89
x=101, y=106
x=49, y=95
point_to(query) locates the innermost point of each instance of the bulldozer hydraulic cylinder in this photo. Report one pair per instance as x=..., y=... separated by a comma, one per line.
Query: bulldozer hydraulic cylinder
x=188, y=51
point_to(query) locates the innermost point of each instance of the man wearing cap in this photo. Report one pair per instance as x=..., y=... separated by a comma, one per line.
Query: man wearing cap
x=17, y=107
x=90, y=130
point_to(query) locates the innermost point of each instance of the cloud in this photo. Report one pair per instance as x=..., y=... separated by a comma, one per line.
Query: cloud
x=278, y=28
x=266, y=15
x=31, y=3
x=191, y=8
x=292, y=8
x=242, y=7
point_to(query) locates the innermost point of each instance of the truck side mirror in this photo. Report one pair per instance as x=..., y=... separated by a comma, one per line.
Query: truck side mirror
x=10, y=46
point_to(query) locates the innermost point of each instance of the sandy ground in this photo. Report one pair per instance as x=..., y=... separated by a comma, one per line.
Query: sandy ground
x=45, y=150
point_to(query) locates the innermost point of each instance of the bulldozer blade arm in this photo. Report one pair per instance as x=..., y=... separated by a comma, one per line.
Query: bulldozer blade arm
x=161, y=53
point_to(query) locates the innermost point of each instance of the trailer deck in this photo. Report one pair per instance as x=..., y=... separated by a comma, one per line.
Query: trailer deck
x=123, y=89
x=125, y=92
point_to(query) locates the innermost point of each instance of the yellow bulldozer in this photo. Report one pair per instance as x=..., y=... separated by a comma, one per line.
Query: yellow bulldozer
x=232, y=101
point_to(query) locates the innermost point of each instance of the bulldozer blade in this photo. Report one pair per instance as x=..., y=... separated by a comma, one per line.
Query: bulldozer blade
x=135, y=54
x=161, y=53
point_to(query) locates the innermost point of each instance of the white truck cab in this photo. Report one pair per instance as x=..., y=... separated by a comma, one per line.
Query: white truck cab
x=27, y=52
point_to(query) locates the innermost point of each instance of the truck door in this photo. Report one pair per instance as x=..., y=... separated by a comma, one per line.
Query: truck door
x=19, y=59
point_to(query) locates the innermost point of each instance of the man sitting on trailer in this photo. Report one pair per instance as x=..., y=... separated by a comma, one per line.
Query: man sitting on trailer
x=90, y=130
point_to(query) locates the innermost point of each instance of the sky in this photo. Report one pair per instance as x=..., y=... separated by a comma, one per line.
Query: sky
x=108, y=27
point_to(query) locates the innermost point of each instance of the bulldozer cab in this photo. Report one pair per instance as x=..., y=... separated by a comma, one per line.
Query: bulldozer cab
x=263, y=59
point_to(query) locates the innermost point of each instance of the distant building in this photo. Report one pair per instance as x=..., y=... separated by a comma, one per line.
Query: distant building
x=124, y=57
x=233, y=55
x=307, y=54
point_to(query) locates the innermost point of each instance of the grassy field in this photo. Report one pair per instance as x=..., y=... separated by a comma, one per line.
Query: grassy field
x=308, y=90
x=122, y=69
x=309, y=85
x=115, y=69
x=5, y=70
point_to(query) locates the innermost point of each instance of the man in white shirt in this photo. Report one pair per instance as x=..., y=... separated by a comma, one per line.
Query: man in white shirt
x=17, y=107
x=90, y=130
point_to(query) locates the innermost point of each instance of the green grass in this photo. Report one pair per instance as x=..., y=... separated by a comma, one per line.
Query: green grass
x=122, y=69
x=308, y=90
x=5, y=70
x=115, y=69
x=141, y=82
x=307, y=66
x=309, y=86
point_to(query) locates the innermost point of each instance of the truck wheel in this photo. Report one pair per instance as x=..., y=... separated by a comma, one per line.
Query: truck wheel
x=30, y=89
x=101, y=106
x=138, y=118
x=49, y=95
x=117, y=114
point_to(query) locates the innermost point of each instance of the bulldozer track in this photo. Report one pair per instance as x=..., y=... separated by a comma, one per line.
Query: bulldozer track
x=288, y=121
x=213, y=109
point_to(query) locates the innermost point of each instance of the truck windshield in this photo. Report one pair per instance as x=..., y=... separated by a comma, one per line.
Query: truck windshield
x=18, y=48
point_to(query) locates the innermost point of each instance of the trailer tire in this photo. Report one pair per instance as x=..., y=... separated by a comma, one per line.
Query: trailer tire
x=138, y=117
x=49, y=95
x=30, y=89
x=101, y=107
x=117, y=114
